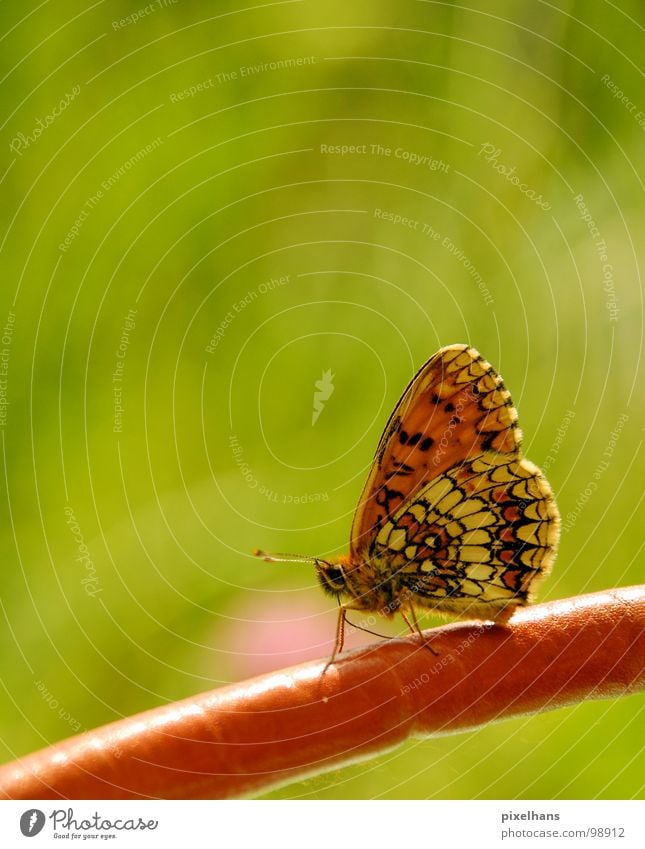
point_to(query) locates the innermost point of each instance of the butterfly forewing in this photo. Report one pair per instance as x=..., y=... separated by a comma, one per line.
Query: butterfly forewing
x=455, y=407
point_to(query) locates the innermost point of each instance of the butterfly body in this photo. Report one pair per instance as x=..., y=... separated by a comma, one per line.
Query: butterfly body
x=452, y=517
x=373, y=585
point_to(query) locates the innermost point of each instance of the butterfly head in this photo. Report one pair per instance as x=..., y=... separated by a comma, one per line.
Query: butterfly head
x=331, y=575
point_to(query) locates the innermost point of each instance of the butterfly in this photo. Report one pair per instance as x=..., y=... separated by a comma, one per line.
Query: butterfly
x=452, y=518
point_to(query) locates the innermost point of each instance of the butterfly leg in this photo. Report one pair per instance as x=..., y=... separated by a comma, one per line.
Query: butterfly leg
x=340, y=633
x=340, y=636
x=415, y=628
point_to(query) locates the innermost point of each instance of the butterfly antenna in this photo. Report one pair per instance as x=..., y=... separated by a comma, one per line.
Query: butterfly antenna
x=285, y=558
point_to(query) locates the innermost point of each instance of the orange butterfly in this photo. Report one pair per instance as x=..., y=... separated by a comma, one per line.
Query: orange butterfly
x=452, y=517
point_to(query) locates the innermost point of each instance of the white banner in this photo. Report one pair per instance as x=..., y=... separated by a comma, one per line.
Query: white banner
x=324, y=824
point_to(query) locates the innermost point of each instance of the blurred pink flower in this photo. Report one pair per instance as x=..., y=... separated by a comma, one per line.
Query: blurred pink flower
x=278, y=631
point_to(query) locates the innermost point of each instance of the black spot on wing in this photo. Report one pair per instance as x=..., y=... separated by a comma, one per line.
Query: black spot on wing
x=385, y=496
x=400, y=468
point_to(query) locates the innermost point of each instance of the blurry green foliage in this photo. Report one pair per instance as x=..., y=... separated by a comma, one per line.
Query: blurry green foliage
x=179, y=207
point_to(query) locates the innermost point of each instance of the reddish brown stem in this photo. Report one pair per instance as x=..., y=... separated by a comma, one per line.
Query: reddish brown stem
x=250, y=737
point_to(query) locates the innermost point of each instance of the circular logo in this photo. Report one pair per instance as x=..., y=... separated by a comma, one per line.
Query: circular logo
x=31, y=822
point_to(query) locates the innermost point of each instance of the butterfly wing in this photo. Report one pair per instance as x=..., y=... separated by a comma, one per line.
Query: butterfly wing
x=454, y=407
x=474, y=540
x=451, y=510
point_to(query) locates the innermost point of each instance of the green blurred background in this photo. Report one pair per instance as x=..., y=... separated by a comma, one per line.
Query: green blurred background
x=157, y=390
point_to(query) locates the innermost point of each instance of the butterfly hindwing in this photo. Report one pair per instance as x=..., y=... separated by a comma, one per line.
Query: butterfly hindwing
x=475, y=538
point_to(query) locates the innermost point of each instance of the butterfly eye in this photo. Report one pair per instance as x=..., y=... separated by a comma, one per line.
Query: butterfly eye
x=331, y=577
